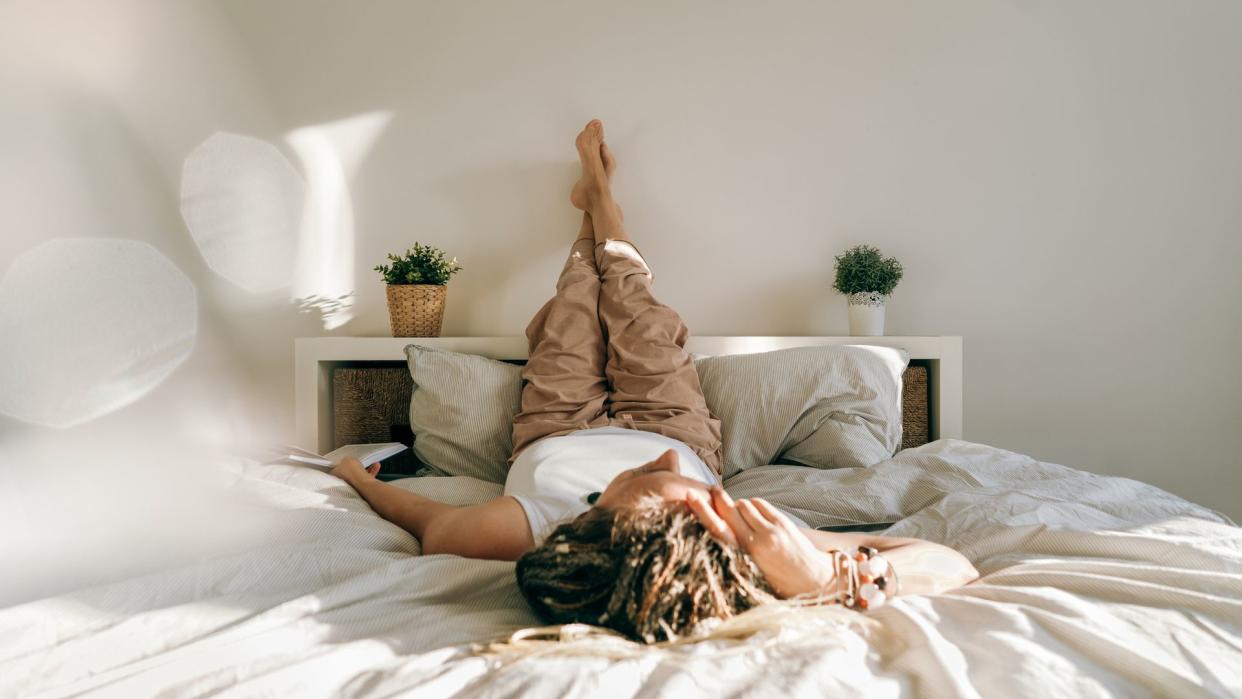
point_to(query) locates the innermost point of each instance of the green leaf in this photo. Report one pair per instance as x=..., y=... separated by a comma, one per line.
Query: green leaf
x=863, y=268
x=421, y=264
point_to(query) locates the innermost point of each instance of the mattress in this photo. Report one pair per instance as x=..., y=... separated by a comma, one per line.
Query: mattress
x=1091, y=586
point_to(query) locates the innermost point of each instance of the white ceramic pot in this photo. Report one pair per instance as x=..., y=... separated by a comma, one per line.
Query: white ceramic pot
x=866, y=314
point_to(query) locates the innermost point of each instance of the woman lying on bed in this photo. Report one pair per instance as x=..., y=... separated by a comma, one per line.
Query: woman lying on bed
x=613, y=506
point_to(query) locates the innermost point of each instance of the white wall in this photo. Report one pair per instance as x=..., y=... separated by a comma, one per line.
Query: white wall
x=1060, y=180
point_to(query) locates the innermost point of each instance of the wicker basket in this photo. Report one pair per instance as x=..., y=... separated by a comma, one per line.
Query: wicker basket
x=415, y=310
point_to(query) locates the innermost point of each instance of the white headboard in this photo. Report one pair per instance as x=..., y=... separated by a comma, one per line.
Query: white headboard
x=315, y=357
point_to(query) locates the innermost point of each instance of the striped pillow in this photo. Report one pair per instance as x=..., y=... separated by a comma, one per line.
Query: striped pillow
x=826, y=407
x=461, y=412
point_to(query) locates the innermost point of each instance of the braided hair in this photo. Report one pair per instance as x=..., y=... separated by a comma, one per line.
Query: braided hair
x=650, y=571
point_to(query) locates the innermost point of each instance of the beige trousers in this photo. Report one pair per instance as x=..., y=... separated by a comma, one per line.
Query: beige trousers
x=604, y=352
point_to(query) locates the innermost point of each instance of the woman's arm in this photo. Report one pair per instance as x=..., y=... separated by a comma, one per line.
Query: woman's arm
x=922, y=567
x=496, y=530
x=794, y=559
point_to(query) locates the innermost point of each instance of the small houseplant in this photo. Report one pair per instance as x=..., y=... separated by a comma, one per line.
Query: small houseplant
x=417, y=289
x=866, y=277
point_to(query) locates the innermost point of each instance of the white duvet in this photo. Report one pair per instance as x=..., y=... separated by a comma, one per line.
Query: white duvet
x=1092, y=586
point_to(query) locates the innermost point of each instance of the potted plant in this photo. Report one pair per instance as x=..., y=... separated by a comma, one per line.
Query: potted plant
x=416, y=290
x=866, y=278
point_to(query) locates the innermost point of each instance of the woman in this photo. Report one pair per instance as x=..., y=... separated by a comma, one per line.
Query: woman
x=613, y=500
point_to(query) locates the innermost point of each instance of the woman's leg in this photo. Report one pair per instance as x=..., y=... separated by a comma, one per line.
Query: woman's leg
x=565, y=388
x=655, y=386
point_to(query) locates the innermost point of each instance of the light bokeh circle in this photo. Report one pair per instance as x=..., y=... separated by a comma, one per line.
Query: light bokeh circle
x=88, y=326
x=242, y=202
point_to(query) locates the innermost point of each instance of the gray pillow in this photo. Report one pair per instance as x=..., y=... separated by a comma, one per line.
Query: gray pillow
x=461, y=412
x=826, y=407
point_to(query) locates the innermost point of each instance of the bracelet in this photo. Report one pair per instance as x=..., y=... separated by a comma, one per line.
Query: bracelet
x=863, y=579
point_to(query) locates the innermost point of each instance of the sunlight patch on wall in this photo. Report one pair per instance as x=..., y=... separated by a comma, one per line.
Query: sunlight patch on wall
x=88, y=326
x=331, y=153
x=242, y=203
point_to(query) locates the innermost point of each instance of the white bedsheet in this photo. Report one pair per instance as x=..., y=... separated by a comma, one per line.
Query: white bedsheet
x=1092, y=586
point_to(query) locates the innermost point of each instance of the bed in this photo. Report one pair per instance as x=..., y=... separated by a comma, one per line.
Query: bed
x=1091, y=586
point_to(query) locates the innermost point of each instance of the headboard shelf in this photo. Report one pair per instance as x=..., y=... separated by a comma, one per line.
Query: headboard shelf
x=316, y=359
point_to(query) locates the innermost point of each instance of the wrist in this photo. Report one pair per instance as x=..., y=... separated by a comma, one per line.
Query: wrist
x=352, y=478
x=826, y=581
x=862, y=578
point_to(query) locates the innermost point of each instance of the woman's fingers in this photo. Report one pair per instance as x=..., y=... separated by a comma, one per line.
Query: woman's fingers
x=773, y=515
x=753, y=516
x=707, y=516
x=374, y=469
x=728, y=512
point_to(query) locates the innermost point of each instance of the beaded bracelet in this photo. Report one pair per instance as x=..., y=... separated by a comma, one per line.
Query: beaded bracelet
x=862, y=580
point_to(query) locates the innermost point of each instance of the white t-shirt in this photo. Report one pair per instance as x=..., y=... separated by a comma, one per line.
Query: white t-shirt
x=553, y=477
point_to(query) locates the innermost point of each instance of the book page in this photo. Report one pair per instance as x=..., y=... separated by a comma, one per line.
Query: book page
x=366, y=453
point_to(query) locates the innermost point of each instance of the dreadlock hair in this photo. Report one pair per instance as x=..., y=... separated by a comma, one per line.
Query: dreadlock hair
x=649, y=571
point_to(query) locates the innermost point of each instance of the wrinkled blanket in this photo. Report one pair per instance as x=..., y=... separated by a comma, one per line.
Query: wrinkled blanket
x=1091, y=586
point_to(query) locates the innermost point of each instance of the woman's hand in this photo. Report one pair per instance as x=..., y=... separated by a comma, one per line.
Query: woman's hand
x=788, y=559
x=351, y=470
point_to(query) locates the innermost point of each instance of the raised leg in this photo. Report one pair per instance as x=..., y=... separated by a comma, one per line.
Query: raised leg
x=654, y=385
x=565, y=387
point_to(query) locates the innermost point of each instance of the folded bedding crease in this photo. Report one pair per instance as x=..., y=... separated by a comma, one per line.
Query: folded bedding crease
x=1091, y=586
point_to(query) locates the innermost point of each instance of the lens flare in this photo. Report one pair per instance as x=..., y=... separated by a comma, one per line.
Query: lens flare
x=88, y=326
x=242, y=202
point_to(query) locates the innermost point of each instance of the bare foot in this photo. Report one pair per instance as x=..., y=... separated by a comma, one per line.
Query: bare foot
x=610, y=166
x=610, y=162
x=594, y=180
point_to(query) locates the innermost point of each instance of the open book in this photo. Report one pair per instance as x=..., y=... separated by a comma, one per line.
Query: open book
x=366, y=453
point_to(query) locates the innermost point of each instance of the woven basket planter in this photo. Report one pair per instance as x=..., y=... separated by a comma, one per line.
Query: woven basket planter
x=416, y=310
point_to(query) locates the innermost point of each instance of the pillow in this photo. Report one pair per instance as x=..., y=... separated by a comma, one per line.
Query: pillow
x=826, y=407
x=461, y=412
